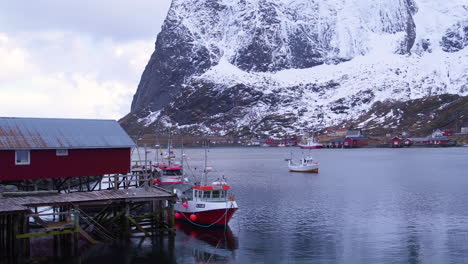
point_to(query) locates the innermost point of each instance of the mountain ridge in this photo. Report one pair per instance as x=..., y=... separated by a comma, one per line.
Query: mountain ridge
x=277, y=67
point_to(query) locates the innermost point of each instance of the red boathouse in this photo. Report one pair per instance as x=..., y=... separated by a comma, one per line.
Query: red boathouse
x=44, y=148
x=397, y=142
x=356, y=142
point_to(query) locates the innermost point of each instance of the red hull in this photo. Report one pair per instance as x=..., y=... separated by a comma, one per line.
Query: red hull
x=212, y=218
x=311, y=147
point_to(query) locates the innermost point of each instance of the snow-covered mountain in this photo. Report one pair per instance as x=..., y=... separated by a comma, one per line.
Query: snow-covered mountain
x=278, y=66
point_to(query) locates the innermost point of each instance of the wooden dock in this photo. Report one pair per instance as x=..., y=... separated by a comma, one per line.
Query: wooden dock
x=21, y=201
x=98, y=217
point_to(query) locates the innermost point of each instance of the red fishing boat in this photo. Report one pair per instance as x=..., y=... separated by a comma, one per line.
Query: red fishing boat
x=209, y=204
x=169, y=171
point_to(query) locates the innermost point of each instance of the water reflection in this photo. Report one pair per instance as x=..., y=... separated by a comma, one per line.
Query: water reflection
x=365, y=206
x=219, y=244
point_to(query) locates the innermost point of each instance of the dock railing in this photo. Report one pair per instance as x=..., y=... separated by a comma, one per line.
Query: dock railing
x=141, y=166
x=126, y=181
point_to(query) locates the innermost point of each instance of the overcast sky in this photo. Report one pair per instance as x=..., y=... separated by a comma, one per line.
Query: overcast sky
x=74, y=58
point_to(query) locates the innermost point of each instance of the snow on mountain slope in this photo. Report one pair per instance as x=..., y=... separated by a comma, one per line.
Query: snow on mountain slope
x=278, y=66
x=391, y=77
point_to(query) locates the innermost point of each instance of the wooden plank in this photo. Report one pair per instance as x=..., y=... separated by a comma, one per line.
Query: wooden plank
x=137, y=225
x=18, y=203
x=47, y=233
x=88, y=237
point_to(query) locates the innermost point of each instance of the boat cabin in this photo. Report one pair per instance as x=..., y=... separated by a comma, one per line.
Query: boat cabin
x=170, y=170
x=215, y=192
x=303, y=162
x=308, y=161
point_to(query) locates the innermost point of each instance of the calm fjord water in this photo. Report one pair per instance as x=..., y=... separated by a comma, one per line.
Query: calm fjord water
x=365, y=206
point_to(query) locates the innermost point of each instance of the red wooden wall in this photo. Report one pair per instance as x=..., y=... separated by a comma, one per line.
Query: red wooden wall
x=356, y=142
x=79, y=162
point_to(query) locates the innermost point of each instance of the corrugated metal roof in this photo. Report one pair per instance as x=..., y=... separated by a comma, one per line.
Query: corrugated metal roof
x=419, y=139
x=51, y=133
x=357, y=138
x=438, y=138
x=353, y=133
x=337, y=140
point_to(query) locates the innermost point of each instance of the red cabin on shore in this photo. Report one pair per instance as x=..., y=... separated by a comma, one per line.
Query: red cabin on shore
x=397, y=142
x=44, y=148
x=336, y=143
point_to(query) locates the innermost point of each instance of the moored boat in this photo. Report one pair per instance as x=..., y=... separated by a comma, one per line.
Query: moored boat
x=170, y=171
x=311, y=144
x=171, y=174
x=305, y=164
x=209, y=204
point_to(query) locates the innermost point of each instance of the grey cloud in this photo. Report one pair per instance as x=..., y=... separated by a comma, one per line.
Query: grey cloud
x=115, y=19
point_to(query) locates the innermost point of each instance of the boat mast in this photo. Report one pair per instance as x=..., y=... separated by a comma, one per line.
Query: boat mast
x=182, y=155
x=169, y=142
x=156, y=146
x=291, y=154
x=205, y=176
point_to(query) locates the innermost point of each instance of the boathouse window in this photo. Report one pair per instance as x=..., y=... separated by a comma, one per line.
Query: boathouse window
x=22, y=157
x=206, y=194
x=62, y=152
x=215, y=194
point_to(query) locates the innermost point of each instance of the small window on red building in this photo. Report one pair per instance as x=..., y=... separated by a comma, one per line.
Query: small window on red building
x=22, y=157
x=62, y=152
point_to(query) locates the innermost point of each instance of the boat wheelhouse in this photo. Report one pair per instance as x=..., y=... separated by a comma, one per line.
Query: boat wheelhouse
x=210, y=205
x=216, y=192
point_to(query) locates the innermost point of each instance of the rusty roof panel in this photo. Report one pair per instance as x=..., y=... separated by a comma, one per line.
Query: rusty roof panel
x=55, y=133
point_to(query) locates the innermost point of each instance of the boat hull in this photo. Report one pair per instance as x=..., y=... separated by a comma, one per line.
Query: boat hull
x=218, y=217
x=316, y=170
x=312, y=168
x=207, y=214
x=166, y=180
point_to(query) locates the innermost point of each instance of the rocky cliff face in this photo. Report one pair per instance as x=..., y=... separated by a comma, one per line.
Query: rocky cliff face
x=277, y=66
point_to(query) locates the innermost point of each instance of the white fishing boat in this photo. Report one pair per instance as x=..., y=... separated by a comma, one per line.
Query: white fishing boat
x=305, y=164
x=311, y=144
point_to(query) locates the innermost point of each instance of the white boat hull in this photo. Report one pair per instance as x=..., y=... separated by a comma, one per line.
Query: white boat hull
x=164, y=180
x=306, y=168
x=313, y=146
